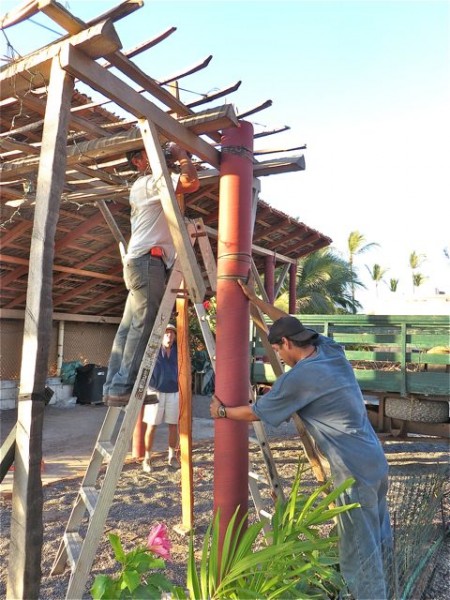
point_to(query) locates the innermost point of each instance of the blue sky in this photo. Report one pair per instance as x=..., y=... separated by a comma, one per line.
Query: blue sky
x=365, y=84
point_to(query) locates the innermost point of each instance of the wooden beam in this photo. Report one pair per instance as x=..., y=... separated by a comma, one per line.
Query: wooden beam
x=77, y=123
x=194, y=69
x=220, y=94
x=256, y=249
x=24, y=569
x=34, y=69
x=210, y=119
x=23, y=12
x=260, y=169
x=10, y=313
x=76, y=63
x=60, y=268
x=60, y=15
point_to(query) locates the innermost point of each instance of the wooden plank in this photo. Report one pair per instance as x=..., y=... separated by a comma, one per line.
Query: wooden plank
x=105, y=82
x=194, y=69
x=24, y=570
x=60, y=15
x=118, y=236
x=7, y=452
x=211, y=120
x=34, y=69
x=10, y=313
x=261, y=169
x=119, y=12
x=23, y=12
x=77, y=123
x=120, y=143
x=257, y=249
x=216, y=95
x=62, y=269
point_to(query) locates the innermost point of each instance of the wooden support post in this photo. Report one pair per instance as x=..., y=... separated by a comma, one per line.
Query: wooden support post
x=24, y=573
x=185, y=393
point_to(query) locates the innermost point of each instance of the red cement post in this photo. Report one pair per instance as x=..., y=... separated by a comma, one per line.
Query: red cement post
x=233, y=321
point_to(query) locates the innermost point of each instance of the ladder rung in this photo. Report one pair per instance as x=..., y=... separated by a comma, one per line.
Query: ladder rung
x=90, y=496
x=257, y=477
x=265, y=514
x=105, y=449
x=73, y=541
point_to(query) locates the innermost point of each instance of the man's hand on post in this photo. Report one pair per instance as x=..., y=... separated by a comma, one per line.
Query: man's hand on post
x=214, y=406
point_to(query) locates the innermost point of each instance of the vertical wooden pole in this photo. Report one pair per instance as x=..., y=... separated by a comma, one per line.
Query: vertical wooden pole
x=185, y=418
x=269, y=278
x=24, y=572
x=185, y=390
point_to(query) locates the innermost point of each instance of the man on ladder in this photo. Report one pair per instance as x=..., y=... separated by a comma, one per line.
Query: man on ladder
x=322, y=388
x=150, y=254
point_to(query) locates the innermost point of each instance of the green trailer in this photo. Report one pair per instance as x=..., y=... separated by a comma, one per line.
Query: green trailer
x=402, y=364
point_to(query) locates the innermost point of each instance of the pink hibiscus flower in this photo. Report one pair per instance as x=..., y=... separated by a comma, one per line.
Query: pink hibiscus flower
x=158, y=541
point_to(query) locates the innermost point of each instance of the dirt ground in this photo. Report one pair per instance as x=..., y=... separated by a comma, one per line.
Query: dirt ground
x=142, y=500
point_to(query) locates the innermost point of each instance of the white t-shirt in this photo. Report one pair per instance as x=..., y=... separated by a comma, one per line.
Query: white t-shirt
x=148, y=223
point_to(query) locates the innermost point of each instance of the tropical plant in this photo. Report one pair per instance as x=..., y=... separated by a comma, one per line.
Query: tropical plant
x=377, y=273
x=293, y=561
x=418, y=280
x=323, y=285
x=138, y=576
x=416, y=261
x=356, y=246
x=393, y=284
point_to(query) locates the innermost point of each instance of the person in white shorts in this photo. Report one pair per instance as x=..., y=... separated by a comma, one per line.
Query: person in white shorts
x=164, y=390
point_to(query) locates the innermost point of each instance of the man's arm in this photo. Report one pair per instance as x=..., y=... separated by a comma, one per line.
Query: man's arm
x=188, y=181
x=270, y=310
x=236, y=413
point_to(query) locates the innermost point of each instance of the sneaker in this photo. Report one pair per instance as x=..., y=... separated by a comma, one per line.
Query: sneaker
x=173, y=463
x=147, y=466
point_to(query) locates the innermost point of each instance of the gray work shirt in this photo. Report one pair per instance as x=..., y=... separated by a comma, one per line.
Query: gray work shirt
x=324, y=391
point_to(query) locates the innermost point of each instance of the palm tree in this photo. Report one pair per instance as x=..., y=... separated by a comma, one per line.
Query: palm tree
x=415, y=261
x=357, y=246
x=393, y=284
x=377, y=273
x=418, y=279
x=323, y=285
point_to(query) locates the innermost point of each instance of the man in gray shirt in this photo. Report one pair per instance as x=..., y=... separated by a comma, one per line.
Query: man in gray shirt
x=322, y=388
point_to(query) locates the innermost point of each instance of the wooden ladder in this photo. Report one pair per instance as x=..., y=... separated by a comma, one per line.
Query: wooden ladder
x=96, y=493
x=95, y=497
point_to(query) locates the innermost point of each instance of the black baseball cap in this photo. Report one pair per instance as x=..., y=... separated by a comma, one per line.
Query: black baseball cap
x=292, y=328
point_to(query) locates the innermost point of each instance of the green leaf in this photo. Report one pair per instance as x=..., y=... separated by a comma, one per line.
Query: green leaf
x=117, y=547
x=130, y=580
x=104, y=588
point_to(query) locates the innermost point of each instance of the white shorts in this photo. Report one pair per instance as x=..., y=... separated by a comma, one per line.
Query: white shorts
x=166, y=410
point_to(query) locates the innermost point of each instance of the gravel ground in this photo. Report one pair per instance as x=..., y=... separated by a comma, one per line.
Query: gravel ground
x=142, y=500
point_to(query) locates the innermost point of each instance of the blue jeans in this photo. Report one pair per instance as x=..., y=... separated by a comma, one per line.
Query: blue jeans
x=365, y=541
x=145, y=279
